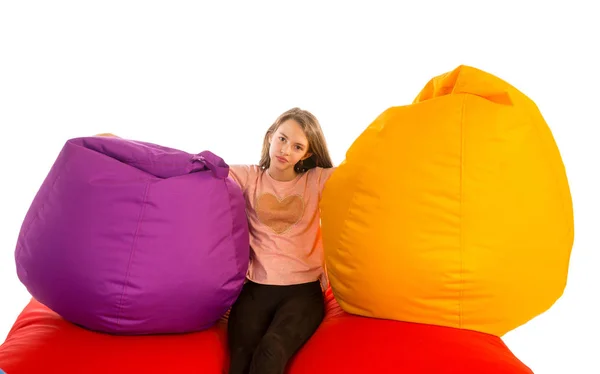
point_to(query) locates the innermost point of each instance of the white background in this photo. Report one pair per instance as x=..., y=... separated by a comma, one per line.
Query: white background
x=198, y=77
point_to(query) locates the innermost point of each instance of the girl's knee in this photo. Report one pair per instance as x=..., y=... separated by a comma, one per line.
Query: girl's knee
x=270, y=355
x=272, y=344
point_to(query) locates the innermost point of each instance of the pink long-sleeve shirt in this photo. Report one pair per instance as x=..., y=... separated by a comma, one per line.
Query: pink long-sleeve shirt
x=285, y=225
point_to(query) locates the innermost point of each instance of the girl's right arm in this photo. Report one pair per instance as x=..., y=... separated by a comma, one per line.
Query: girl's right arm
x=240, y=175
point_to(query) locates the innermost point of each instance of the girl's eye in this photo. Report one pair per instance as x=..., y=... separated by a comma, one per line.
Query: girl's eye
x=281, y=138
x=298, y=148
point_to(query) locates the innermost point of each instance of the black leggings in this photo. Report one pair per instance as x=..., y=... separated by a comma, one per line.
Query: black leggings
x=269, y=324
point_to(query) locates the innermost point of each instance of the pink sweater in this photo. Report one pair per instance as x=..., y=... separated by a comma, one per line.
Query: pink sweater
x=285, y=225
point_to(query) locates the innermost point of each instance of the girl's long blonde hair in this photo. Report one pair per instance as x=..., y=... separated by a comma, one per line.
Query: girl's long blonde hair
x=317, y=145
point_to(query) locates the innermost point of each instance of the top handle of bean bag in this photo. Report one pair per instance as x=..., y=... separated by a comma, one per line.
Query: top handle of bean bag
x=154, y=159
x=468, y=80
x=209, y=160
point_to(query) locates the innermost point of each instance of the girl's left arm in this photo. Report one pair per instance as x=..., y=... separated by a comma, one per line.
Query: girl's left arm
x=325, y=175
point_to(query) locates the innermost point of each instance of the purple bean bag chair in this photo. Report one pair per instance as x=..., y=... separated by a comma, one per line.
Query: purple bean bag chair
x=132, y=238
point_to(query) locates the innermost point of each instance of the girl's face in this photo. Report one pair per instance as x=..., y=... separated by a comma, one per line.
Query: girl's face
x=288, y=145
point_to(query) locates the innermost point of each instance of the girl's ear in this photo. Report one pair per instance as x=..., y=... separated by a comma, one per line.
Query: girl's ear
x=307, y=155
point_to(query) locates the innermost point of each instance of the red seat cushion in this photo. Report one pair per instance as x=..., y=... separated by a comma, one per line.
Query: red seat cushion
x=42, y=342
x=350, y=344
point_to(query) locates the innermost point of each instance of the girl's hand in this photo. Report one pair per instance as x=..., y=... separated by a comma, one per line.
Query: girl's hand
x=107, y=134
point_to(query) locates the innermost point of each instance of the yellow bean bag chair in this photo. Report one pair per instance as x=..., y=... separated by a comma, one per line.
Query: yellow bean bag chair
x=452, y=211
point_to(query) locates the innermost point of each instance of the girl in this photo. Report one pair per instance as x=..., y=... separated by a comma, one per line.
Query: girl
x=281, y=305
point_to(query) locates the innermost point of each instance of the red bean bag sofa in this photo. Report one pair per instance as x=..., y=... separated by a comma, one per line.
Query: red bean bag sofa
x=43, y=342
